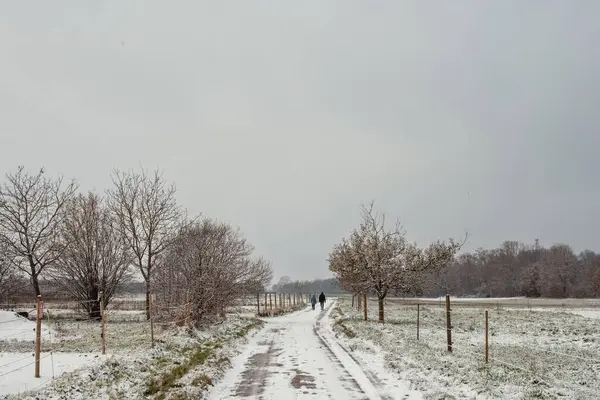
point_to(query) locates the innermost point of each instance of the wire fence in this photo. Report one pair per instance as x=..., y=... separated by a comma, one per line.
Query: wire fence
x=552, y=352
x=72, y=326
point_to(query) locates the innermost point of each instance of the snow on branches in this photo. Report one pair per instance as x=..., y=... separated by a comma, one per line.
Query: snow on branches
x=376, y=259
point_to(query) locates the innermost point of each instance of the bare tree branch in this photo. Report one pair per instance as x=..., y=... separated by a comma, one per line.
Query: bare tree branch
x=148, y=217
x=97, y=258
x=31, y=215
x=214, y=264
x=375, y=259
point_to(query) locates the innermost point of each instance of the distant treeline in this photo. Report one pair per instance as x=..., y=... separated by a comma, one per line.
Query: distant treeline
x=512, y=269
x=328, y=286
x=518, y=269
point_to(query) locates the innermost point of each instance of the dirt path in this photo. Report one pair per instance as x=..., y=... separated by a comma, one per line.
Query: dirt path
x=291, y=359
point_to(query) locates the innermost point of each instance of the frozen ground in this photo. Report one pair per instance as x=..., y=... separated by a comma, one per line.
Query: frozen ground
x=549, y=354
x=182, y=364
x=13, y=327
x=17, y=369
x=297, y=357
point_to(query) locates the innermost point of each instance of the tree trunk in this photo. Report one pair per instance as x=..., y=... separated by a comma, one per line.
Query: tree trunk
x=36, y=285
x=148, y=299
x=148, y=272
x=34, y=277
x=94, y=312
x=94, y=305
x=381, y=315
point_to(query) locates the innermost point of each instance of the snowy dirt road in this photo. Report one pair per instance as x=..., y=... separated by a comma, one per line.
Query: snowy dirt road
x=296, y=357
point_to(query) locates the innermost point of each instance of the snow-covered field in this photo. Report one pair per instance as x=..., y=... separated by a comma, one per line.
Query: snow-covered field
x=181, y=364
x=547, y=353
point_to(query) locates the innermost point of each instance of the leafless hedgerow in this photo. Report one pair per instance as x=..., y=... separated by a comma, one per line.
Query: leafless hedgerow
x=380, y=260
x=212, y=263
x=97, y=258
x=148, y=217
x=32, y=210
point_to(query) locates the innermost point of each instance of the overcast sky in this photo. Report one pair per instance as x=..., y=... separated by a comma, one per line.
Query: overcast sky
x=283, y=117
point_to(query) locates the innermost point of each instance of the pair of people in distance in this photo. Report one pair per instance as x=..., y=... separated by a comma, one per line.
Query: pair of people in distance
x=313, y=301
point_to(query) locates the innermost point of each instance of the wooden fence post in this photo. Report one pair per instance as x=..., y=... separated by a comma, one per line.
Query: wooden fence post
x=265, y=307
x=102, y=331
x=270, y=301
x=448, y=324
x=365, y=305
x=38, y=334
x=486, y=337
x=352, y=301
x=418, y=318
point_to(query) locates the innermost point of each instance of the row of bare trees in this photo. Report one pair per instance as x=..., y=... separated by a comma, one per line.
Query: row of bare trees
x=518, y=269
x=377, y=259
x=89, y=243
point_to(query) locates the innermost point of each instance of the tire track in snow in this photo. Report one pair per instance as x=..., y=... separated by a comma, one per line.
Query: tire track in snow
x=365, y=380
x=289, y=359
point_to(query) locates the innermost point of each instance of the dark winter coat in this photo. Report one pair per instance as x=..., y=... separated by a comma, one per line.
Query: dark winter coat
x=321, y=298
x=313, y=300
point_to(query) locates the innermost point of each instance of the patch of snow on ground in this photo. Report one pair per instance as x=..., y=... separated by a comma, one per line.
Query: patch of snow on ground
x=594, y=314
x=14, y=327
x=17, y=369
x=532, y=354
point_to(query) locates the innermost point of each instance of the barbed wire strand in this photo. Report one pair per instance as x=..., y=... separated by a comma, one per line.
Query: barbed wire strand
x=16, y=361
x=22, y=367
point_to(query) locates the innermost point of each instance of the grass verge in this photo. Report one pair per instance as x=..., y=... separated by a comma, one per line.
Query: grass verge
x=195, y=357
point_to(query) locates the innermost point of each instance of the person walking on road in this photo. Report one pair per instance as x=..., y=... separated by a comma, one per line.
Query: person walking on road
x=313, y=301
x=322, y=300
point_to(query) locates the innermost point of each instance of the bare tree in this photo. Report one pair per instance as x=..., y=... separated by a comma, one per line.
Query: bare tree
x=31, y=213
x=558, y=271
x=213, y=263
x=97, y=258
x=530, y=280
x=148, y=217
x=346, y=262
x=378, y=259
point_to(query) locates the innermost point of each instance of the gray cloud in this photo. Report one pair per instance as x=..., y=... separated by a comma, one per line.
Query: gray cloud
x=282, y=118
